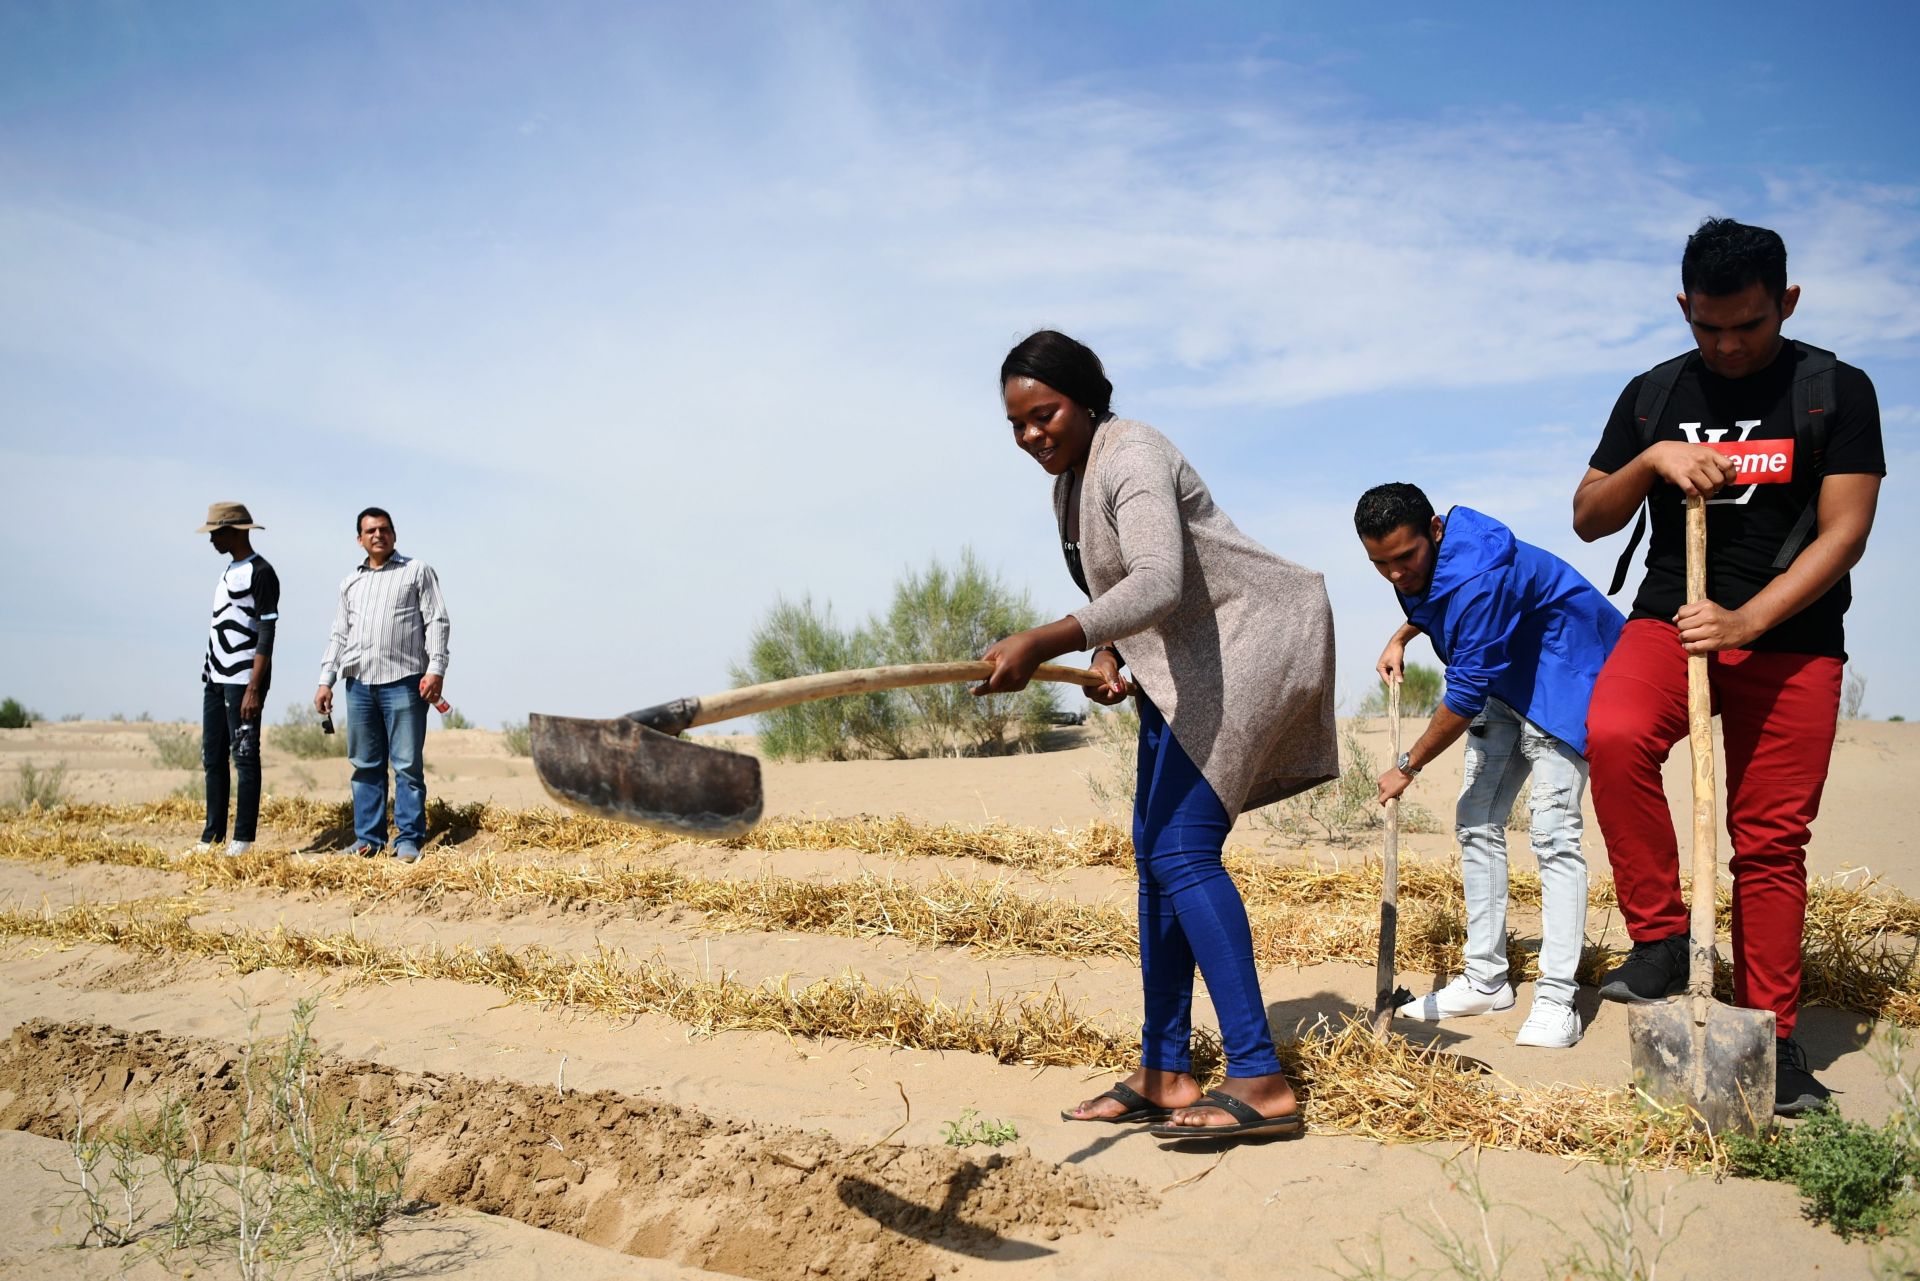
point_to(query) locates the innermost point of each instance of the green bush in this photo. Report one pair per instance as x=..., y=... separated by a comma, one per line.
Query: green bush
x=518, y=738
x=16, y=715
x=1855, y=1176
x=177, y=746
x=452, y=719
x=796, y=639
x=1420, y=691
x=941, y=614
x=300, y=734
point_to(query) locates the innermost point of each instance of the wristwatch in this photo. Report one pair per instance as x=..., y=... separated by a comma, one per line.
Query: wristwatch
x=1405, y=765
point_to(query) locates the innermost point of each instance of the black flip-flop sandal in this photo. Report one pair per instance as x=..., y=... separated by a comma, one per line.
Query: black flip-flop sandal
x=1250, y=1121
x=1138, y=1107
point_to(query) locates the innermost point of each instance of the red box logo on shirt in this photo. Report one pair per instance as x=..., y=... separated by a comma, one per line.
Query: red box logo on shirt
x=1761, y=462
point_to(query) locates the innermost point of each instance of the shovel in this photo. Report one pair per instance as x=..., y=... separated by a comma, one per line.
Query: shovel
x=633, y=768
x=1390, y=997
x=1690, y=1050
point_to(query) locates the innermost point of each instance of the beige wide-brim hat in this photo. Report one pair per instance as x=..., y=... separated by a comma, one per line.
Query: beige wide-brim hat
x=228, y=516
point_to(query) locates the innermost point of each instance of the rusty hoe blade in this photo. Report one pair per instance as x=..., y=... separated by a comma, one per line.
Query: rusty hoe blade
x=623, y=769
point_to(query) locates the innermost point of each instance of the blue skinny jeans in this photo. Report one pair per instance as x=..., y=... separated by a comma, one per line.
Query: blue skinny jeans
x=1190, y=913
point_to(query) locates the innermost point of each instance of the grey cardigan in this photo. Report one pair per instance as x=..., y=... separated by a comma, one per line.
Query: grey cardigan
x=1232, y=643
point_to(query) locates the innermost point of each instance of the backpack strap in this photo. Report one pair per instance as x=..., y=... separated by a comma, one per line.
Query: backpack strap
x=1813, y=406
x=1648, y=406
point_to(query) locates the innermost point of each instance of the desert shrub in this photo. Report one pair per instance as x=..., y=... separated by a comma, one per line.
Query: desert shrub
x=941, y=614
x=453, y=719
x=944, y=614
x=1852, y=694
x=517, y=737
x=798, y=639
x=1856, y=1177
x=45, y=788
x=299, y=734
x=968, y=1129
x=177, y=746
x=16, y=715
x=1343, y=811
x=1420, y=690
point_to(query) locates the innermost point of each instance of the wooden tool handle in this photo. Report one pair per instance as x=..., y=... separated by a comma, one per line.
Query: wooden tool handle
x=1386, y=997
x=750, y=700
x=1700, y=736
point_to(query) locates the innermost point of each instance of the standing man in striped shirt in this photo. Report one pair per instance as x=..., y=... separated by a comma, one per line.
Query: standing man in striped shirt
x=389, y=641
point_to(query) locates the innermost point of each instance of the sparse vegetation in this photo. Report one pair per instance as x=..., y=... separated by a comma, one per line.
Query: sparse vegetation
x=176, y=746
x=1853, y=693
x=1344, y=811
x=969, y=1129
x=17, y=715
x=517, y=738
x=1420, y=690
x=940, y=614
x=1116, y=736
x=453, y=719
x=37, y=788
x=299, y=734
x=307, y=1183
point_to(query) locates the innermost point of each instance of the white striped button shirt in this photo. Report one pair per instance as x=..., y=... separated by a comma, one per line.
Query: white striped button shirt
x=391, y=624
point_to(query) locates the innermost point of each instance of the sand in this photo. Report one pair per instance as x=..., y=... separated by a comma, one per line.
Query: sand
x=752, y=1154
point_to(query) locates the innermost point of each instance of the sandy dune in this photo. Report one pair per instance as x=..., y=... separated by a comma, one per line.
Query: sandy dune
x=881, y=1196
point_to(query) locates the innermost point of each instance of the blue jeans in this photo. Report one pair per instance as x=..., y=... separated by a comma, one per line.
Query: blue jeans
x=1503, y=749
x=223, y=733
x=386, y=724
x=1190, y=912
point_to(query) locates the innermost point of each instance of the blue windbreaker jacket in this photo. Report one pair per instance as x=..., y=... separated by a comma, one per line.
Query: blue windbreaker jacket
x=1517, y=623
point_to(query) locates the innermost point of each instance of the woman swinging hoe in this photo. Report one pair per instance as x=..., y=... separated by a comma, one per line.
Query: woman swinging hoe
x=1231, y=651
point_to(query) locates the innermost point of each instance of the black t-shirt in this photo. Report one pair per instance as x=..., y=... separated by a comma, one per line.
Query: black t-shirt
x=1747, y=524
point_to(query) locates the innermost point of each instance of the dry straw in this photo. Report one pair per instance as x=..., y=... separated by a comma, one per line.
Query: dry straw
x=1389, y=1090
x=1855, y=958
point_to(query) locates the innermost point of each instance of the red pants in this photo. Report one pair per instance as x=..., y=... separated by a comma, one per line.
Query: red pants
x=1777, y=715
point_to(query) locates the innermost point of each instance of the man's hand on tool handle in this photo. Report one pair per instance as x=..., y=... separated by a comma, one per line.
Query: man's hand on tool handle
x=1693, y=469
x=1706, y=628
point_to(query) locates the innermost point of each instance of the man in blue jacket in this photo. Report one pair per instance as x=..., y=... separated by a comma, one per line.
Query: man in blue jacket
x=1523, y=636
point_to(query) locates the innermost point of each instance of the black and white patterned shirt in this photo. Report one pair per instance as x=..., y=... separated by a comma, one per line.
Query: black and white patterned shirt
x=390, y=624
x=247, y=593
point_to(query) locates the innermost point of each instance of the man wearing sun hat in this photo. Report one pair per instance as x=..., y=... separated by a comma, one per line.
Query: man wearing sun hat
x=235, y=674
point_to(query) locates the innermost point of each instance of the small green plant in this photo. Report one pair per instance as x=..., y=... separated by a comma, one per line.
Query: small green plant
x=1420, y=691
x=194, y=789
x=177, y=746
x=44, y=788
x=299, y=734
x=452, y=719
x=1856, y=1177
x=970, y=1129
x=517, y=737
x=17, y=715
x=107, y=1224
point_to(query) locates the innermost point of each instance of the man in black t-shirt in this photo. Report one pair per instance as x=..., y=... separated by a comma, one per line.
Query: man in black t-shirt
x=1774, y=636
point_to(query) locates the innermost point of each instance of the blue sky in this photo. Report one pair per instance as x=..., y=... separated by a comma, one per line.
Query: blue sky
x=637, y=316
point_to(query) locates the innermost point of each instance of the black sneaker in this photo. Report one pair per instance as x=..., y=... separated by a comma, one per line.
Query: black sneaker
x=1794, y=1089
x=1652, y=972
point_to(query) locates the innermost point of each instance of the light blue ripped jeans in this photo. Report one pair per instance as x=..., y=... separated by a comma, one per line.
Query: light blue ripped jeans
x=1503, y=748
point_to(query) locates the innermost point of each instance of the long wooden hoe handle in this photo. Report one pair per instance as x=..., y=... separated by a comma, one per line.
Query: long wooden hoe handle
x=1387, y=997
x=1700, y=735
x=750, y=700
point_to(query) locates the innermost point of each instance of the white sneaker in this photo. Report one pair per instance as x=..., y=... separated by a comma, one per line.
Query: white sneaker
x=201, y=847
x=1550, y=1025
x=236, y=848
x=1457, y=999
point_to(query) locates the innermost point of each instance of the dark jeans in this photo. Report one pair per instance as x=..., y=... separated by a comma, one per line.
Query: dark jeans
x=223, y=733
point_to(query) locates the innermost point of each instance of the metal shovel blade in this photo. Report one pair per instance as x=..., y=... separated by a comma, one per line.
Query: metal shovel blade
x=1717, y=1060
x=622, y=770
